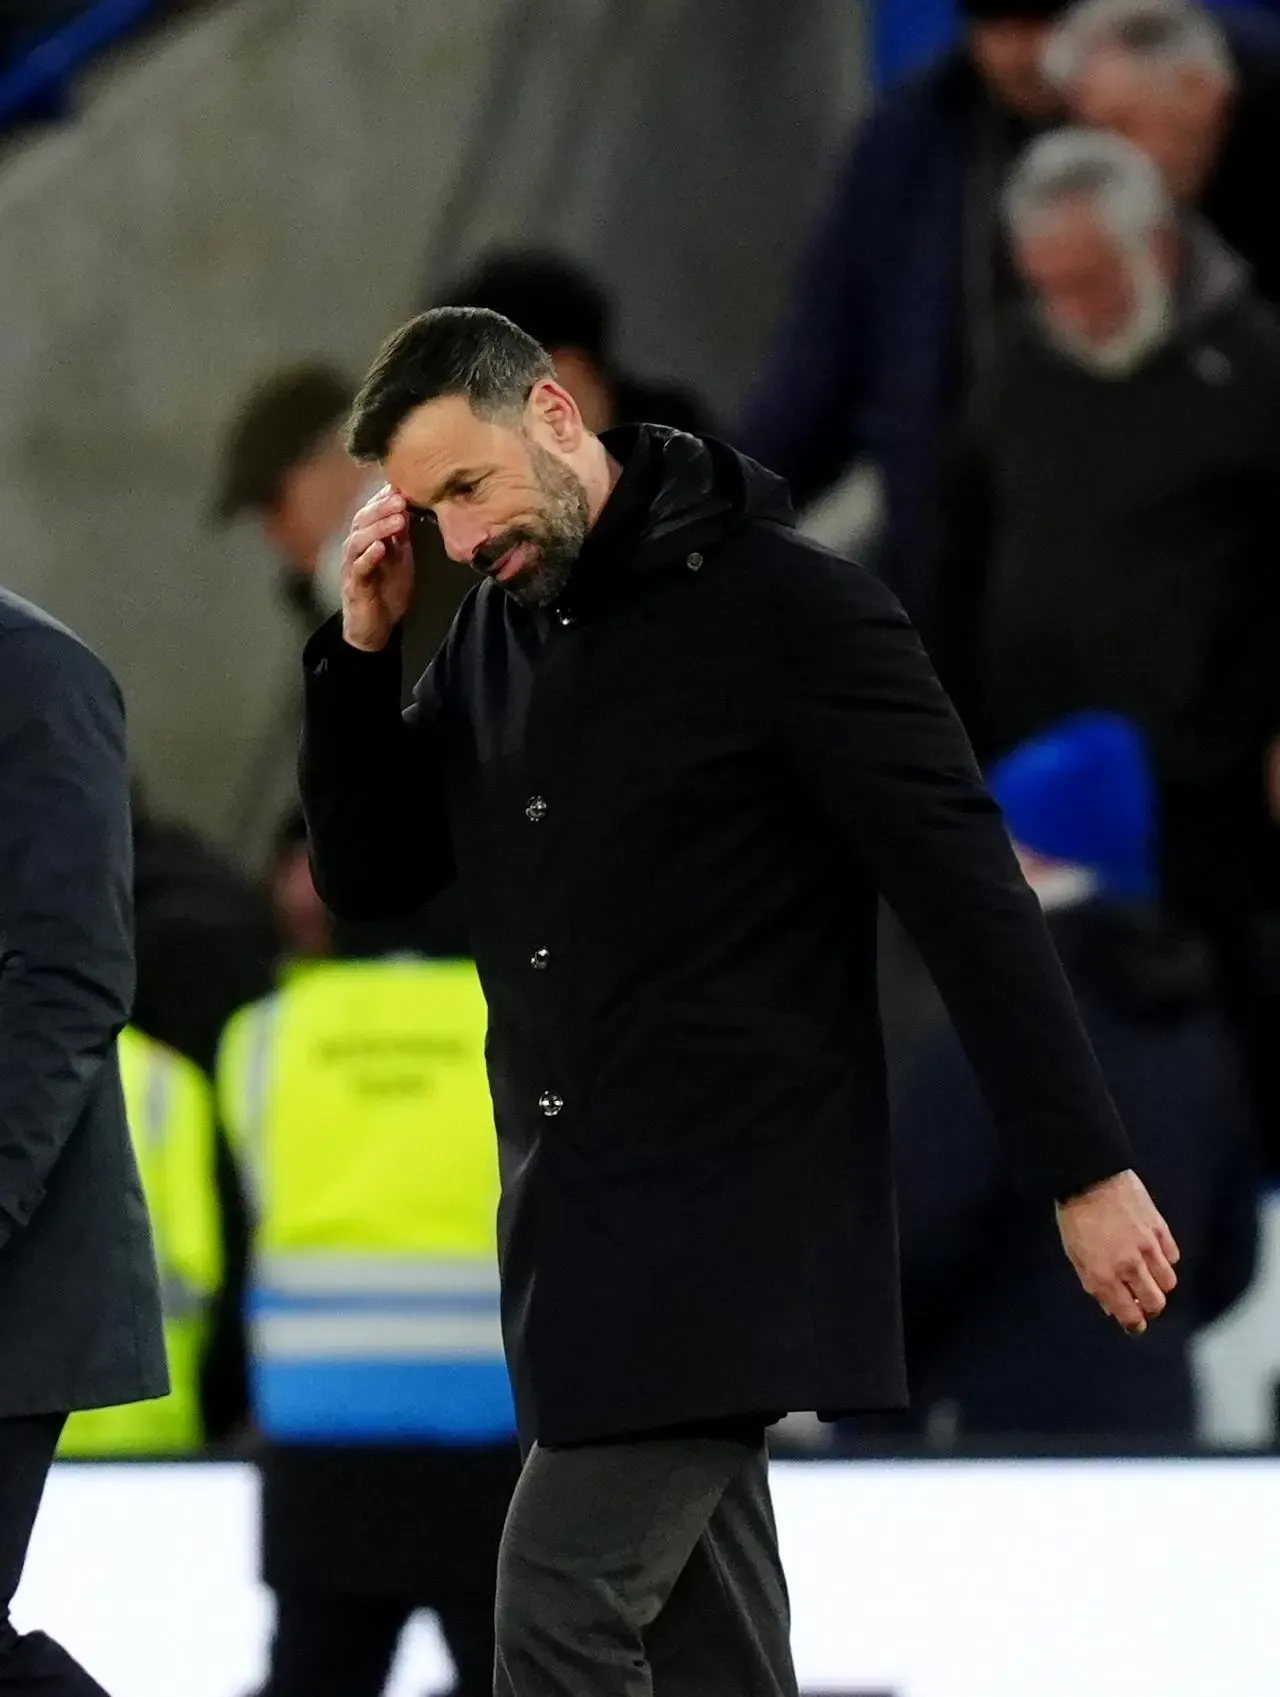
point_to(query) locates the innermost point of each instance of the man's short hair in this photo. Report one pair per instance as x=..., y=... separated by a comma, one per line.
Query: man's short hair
x=551, y=298
x=451, y=350
x=279, y=426
x=1124, y=186
x=1157, y=34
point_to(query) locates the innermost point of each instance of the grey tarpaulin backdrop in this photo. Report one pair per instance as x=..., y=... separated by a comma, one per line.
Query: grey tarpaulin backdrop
x=276, y=179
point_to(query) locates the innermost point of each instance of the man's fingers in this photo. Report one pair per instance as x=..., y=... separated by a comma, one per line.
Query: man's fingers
x=1125, y=1310
x=364, y=563
x=1168, y=1244
x=1161, y=1271
x=378, y=506
x=1142, y=1286
x=364, y=534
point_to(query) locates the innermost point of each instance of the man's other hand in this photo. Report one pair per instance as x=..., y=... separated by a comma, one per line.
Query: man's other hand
x=1121, y=1248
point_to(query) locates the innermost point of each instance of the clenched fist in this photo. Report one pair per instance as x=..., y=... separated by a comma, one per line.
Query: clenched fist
x=1121, y=1248
x=377, y=572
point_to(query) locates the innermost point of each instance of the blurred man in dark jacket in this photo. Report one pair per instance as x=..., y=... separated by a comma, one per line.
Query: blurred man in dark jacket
x=1112, y=533
x=1199, y=95
x=996, y=1344
x=562, y=306
x=897, y=305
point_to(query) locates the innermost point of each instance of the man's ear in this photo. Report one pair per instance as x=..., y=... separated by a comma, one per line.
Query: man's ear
x=554, y=414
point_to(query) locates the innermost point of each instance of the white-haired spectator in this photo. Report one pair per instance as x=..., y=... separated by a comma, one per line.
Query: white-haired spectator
x=1199, y=94
x=1111, y=537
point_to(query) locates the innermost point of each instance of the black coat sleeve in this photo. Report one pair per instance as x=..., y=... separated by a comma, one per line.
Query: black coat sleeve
x=66, y=945
x=864, y=725
x=372, y=781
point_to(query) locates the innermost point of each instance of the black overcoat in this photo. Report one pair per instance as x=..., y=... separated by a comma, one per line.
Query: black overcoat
x=672, y=801
x=80, y=1323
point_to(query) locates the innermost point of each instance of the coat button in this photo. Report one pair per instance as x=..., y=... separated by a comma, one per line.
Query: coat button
x=550, y=1103
x=540, y=960
x=535, y=810
x=565, y=617
x=694, y=562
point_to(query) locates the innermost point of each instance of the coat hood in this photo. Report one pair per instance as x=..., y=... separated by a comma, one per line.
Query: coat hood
x=679, y=494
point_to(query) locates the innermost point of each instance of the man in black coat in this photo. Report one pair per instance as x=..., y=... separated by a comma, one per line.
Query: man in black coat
x=80, y=1321
x=673, y=753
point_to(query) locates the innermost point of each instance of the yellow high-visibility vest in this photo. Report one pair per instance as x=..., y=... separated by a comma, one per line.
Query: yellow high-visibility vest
x=357, y=1100
x=171, y=1118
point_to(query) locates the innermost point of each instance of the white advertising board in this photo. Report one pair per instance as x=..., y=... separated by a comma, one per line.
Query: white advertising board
x=958, y=1579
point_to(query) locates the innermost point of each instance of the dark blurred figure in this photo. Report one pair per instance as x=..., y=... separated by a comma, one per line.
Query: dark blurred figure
x=207, y=944
x=561, y=306
x=897, y=307
x=1200, y=95
x=1111, y=537
x=997, y=1343
x=358, y=1102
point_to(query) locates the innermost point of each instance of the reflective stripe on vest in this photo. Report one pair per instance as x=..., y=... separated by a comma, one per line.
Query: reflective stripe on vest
x=170, y=1114
x=361, y=1107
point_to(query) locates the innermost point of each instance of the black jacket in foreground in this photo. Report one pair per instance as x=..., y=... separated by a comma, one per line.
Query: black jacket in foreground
x=672, y=802
x=79, y=1298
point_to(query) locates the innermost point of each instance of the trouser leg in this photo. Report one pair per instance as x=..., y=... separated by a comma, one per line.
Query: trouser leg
x=31, y=1664
x=596, y=1544
x=727, y=1623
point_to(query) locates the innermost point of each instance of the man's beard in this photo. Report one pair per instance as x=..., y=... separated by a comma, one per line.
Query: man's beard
x=554, y=542
x=1148, y=329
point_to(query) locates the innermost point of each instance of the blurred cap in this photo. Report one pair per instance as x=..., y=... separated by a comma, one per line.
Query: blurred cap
x=999, y=11
x=280, y=424
x=547, y=296
x=1082, y=793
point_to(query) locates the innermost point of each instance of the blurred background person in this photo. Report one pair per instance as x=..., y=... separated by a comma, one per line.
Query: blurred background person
x=996, y=1344
x=169, y=1104
x=1111, y=537
x=284, y=464
x=562, y=306
x=358, y=1101
x=207, y=945
x=898, y=304
x=1200, y=94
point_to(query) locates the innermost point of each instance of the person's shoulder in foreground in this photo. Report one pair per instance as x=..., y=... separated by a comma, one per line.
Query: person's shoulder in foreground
x=22, y=618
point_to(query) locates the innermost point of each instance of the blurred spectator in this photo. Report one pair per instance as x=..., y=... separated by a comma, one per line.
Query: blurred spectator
x=1200, y=95
x=896, y=310
x=285, y=463
x=357, y=1099
x=562, y=306
x=170, y=1110
x=998, y=1343
x=1111, y=537
x=206, y=946
x=206, y=940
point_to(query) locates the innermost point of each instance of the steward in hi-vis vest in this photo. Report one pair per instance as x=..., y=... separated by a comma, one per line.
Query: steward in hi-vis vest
x=358, y=1107
x=170, y=1111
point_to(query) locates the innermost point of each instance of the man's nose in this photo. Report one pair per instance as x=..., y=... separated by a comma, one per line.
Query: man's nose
x=461, y=536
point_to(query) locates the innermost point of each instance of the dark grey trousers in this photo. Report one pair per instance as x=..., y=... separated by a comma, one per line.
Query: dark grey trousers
x=643, y=1569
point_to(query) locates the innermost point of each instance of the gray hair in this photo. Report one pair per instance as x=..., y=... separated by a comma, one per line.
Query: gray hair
x=1158, y=35
x=1123, y=185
